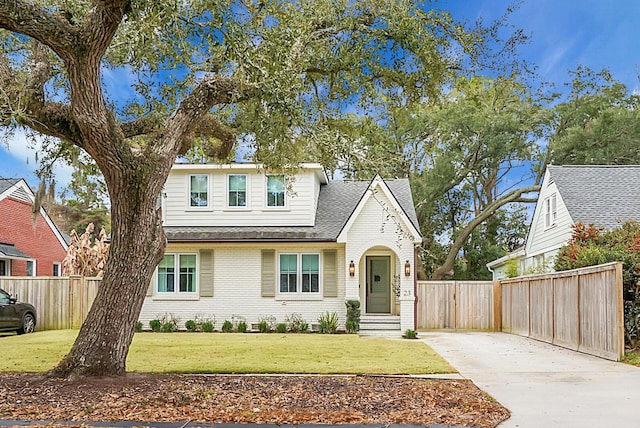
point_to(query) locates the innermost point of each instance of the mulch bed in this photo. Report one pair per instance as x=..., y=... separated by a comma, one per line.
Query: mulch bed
x=249, y=399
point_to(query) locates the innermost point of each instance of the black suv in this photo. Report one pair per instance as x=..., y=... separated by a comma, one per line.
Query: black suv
x=14, y=316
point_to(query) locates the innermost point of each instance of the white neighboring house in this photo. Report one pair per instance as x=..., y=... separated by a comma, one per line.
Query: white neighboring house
x=246, y=244
x=603, y=195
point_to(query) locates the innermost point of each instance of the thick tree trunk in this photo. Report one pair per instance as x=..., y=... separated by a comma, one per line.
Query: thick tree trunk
x=138, y=243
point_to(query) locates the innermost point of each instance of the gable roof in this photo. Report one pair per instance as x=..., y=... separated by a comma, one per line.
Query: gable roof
x=374, y=185
x=7, y=183
x=604, y=195
x=336, y=202
x=19, y=189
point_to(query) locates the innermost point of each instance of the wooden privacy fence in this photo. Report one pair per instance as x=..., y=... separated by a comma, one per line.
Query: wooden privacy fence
x=580, y=309
x=60, y=302
x=463, y=305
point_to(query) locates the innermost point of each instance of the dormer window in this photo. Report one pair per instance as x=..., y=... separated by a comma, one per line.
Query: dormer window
x=237, y=190
x=275, y=191
x=198, y=190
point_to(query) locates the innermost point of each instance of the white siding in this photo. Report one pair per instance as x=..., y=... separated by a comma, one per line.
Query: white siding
x=547, y=240
x=236, y=288
x=299, y=209
x=373, y=233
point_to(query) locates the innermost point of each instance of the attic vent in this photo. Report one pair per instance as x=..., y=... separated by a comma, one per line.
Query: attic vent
x=21, y=195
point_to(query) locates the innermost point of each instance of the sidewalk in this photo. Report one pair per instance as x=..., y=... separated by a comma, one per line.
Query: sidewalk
x=541, y=384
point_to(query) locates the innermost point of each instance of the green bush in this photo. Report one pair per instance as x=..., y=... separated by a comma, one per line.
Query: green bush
x=353, y=316
x=207, y=326
x=351, y=327
x=410, y=334
x=155, y=325
x=263, y=327
x=242, y=327
x=281, y=328
x=267, y=324
x=168, y=327
x=191, y=325
x=328, y=323
x=304, y=327
x=227, y=326
x=139, y=326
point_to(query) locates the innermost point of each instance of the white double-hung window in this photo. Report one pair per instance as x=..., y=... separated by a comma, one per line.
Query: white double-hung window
x=299, y=273
x=198, y=191
x=275, y=191
x=177, y=273
x=237, y=190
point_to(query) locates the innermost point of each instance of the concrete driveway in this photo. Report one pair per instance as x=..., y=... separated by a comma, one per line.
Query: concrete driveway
x=541, y=384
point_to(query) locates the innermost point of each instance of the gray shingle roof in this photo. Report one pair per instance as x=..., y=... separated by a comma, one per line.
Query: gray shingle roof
x=9, y=250
x=336, y=201
x=5, y=183
x=604, y=195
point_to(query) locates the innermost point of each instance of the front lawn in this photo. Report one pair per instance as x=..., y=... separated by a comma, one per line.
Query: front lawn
x=236, y=353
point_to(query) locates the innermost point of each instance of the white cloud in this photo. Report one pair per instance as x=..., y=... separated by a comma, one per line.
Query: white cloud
x=24, y=150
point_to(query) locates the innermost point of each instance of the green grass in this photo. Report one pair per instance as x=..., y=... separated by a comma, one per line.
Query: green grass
x=632, y=357
x=237, y=353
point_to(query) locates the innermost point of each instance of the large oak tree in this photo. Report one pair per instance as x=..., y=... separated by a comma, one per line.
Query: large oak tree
x=273, y=73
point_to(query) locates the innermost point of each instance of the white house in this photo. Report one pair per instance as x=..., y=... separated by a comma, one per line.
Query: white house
x=602, y=195
x=243, y=243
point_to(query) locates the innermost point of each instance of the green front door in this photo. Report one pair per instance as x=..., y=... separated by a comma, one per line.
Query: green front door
x=378, y=285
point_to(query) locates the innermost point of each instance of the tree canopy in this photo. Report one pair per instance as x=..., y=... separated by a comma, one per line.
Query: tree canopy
x=277, y=74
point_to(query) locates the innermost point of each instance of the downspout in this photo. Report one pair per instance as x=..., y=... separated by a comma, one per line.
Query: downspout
x=415, y=289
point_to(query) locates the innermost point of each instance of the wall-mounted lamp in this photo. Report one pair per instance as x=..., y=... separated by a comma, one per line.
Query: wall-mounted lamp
x=352, y=269
x=407, y=268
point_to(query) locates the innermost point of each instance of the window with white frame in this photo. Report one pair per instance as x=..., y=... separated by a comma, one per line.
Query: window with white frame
x=299, y=273
x=177, y=273
x=275, y=191
x=56, y=269
x=198, y=190
x=550, y=213
x=31, y=268
x=237, y=190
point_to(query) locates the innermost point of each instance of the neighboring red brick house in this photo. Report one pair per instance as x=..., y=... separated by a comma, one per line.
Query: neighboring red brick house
x=27, y=247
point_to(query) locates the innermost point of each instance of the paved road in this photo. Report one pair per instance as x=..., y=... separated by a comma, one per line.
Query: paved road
x=541, y=384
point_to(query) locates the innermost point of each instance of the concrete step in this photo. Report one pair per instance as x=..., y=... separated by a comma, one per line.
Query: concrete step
x=396, y=333
x=380, y=325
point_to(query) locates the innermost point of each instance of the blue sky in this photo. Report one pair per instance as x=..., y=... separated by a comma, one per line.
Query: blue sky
x=563, y=34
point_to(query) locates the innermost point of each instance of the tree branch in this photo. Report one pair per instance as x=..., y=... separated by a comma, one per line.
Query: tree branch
x=31, y=19
x=212, y=91
x=514, y=196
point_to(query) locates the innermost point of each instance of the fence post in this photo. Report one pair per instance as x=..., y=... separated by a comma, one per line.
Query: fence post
x=497, y=306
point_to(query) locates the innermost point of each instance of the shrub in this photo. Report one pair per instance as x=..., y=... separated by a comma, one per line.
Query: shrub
x=304, y=327
x=281, y=328
x=351, y=327
x=168, y=327
x=191, y=325
x=242, y=327
x=410, y=334
x=293, y=322
x=267, y=324
x=227, y=326
x=139, y=326
x=353, y=316
x=155, y=325
x=207, y=326
x=328, y=323
x=263, y=327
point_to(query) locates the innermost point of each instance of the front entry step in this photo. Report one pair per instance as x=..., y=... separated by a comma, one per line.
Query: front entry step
x=380, y=325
